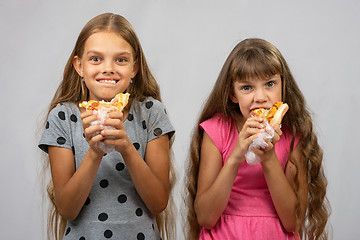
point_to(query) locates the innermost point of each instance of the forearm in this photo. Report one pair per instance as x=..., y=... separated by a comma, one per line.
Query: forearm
x=72, y=196
x=152, y=190
x=282, y=194
x=211, y=203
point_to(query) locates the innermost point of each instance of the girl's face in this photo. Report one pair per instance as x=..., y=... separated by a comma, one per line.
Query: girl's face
x=107, y=65
x=256, y=93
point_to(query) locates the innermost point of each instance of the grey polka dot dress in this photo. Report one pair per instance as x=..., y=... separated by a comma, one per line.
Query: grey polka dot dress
x=113, y=209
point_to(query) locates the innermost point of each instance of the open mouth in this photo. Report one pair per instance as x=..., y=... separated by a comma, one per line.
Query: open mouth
x=107, y=81
x=265, y=108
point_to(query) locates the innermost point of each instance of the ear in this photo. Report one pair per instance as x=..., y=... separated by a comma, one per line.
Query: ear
x=135, y=69
x=233, y=98
x=78, y=66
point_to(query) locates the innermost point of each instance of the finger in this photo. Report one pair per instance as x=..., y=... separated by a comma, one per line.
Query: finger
x=89, y=119
x=116, y=115
x=95, y=139
x=254, y=123
x=116, y=123
x=258, y=151
x=112, y=133
x=90, y=131
x=269, y=142
x=86, y=114
x=250, y=133
x=275, y=139
x=256, y=119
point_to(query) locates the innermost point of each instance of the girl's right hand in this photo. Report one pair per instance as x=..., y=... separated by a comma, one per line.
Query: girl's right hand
x=250, y=130
x=89, y=131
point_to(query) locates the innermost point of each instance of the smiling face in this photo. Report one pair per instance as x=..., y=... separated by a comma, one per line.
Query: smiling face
x=107, y=65
x=255, y=93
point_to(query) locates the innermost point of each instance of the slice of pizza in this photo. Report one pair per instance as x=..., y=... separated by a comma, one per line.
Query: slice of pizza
x=118, y=103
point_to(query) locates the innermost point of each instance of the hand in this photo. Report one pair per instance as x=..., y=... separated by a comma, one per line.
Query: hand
x=250, y=130
x=90, y=131
x=116, y=137
x=268, y=152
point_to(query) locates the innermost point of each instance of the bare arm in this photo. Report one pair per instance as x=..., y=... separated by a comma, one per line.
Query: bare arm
x=214, y=184
x=290, y=173
x=281, y=186
x=72, y=187
x=215, y=181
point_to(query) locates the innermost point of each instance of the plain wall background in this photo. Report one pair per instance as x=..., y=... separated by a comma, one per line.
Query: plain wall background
x=186, y=43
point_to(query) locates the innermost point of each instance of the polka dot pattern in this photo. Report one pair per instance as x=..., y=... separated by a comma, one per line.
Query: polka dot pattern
x=136, y=145
x=122, y=198
x=103, y=217
x=61, y=115
x=108, y=234
x=130, y=117
x=104, y=183
x=67, y=231
x=61, y=140
x=157, y=132
x=73, y=118
x=117, y=197
x=140, y=236
x=149, y=104
x=120, y=166
x=144, y=124
x=139, y=212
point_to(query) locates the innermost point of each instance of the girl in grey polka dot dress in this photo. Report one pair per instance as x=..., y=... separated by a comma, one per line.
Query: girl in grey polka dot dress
x=122, y=194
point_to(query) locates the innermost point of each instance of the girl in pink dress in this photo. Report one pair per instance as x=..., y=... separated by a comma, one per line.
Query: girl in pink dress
x=282, y=197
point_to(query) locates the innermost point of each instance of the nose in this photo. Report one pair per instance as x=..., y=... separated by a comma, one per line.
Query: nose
x=260, y=95
x=108, y=67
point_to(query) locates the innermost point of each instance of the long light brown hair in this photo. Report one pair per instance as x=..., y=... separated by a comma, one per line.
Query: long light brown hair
x=259, y=58
x=72, y=89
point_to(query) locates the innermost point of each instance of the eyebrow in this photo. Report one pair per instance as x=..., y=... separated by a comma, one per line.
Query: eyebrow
x=99, y=53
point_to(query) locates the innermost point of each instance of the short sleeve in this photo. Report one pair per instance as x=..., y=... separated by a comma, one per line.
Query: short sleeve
x=214, y=127
x=158, y=120
x=57, y=129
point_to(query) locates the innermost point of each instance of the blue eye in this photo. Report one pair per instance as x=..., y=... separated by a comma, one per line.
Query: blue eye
x=270, y=84
x=95, y=59
x=246, y=88
x=121, y=60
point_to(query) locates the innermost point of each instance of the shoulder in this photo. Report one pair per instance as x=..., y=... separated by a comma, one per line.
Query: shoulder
x=64, y=114
x=62, y=110
x=149, y=108
x=150, y=103
x=220, y=129
x=57, y=131
x=152, y=115
x=217, y=121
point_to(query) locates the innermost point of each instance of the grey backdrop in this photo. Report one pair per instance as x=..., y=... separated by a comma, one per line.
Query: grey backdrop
x=186, y=43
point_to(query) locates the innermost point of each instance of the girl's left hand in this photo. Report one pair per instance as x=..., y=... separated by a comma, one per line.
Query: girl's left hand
x=116, y=137
x=268, y=152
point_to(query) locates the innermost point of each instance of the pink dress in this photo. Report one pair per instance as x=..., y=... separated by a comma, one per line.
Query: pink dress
x=250, y=213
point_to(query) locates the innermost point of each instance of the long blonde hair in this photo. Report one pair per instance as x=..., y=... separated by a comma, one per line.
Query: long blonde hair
x=72, y=89
x=259, y=58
